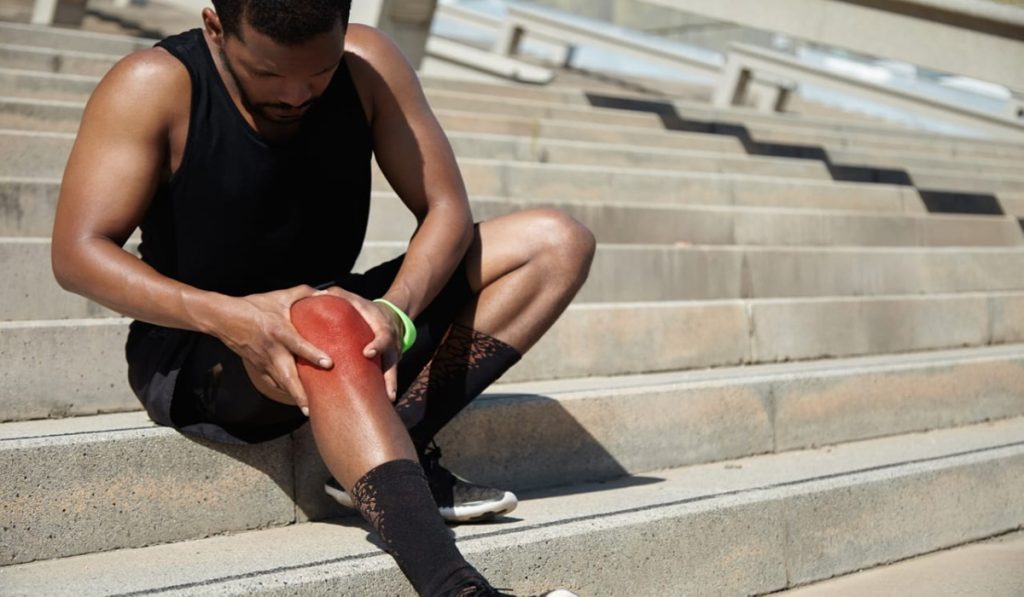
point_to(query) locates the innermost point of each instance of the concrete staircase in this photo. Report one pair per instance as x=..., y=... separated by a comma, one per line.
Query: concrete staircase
x=771, y=378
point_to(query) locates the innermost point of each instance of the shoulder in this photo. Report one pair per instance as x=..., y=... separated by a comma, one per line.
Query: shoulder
x=373, y=45
x=148, y=84
x=379, y=70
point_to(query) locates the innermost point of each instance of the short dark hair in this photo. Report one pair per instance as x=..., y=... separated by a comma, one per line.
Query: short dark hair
x=284, y=21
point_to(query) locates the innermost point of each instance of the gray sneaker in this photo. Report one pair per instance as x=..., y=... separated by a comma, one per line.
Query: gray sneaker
x=457, y=499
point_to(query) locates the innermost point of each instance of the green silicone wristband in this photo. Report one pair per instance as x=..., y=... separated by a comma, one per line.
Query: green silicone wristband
x=408, y=328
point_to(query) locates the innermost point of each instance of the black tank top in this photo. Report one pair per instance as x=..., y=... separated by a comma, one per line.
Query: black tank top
x=243, y=214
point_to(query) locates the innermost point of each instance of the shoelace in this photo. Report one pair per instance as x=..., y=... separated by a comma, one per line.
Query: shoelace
x=431, y=456
x=430, y=460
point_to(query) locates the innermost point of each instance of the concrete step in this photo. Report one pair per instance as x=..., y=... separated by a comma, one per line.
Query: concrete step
x=473, y=102
x=44, y=155
x=572, y=105
x=832, y=134
x=49, y=60
x=966, y=176
x=37, y=85
x=618, y=339
x=748, y=526
x=33, y=84
x=63, y=39
x=852, y=131
x=758, y=126
x=921, y=164
x=48, y=116
x=72, y=40
x=991, y=567
x=552, y=151
x=63, y=116
x=926, y=172
x=476, y=122
x=27, y=207
x=28, y=84
x=624, y=185
x=520, y=148
x=556, y=92
x=1012, y=202
x=953, y=146
x=632, y=273
x=979, y=181
x=650, y=223
x=770, y=133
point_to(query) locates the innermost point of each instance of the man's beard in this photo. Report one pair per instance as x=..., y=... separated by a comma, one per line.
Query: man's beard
x=259, y=109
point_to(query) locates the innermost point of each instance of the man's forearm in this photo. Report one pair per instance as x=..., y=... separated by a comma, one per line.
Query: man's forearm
x=435, y=251
x=102, y=271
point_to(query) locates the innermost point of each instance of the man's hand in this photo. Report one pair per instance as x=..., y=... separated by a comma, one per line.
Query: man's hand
x=387, y=335
x=258, y=328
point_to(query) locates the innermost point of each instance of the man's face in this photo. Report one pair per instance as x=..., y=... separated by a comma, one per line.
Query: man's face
x=278, y=82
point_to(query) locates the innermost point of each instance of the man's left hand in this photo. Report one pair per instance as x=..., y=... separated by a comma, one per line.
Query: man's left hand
x=387, y=335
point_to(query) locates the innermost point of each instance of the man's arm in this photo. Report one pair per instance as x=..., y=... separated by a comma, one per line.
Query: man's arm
x=417, y=159
x=120, y=155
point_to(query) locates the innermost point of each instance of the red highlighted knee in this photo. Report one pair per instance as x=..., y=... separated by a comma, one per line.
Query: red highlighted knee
x=333, y=325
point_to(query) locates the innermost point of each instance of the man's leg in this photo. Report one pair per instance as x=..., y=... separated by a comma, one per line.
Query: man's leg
x=524, y=269
x=366, y=446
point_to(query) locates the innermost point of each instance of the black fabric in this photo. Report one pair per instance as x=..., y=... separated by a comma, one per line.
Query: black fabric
x=395, y=500
x=465, y=364
x=243, y=214
x=192, y=382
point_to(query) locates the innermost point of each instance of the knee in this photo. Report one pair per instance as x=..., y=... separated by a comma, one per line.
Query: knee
x=332, y=324
x=564, y=243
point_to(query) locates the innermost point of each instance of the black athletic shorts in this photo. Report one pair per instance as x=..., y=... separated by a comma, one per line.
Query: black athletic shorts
x=194, y=383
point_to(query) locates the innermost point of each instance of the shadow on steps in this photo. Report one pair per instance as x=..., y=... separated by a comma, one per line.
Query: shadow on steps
x=935, y=200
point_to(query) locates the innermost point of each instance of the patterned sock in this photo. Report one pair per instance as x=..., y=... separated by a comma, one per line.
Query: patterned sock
x=395, y=500
x=465, y=363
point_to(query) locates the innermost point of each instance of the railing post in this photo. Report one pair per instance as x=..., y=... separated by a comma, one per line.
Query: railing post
x=508, y=40
x=43, y=11
x=732, y=86
x=58, y=12
x=406, y=21
x=569, y=56
x=1015, y=107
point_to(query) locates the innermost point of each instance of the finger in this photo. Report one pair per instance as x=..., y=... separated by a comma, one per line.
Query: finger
x=269, y=388
x=287, y=377
x=380, y=345
x=302, y=291
x=306, y=350
x=391, y=380
x=385, y=330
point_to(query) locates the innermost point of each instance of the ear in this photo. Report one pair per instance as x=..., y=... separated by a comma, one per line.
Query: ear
x=213, y=27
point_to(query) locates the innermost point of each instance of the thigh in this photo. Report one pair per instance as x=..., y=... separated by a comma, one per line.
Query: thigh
x=214, y=389
x=431, y=325
x=504, y=244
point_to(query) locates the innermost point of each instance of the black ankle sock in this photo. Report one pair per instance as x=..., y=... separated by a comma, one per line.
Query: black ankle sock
x=395, y=499
x=466, y=362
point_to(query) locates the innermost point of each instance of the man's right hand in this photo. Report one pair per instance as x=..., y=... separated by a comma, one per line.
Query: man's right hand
x=258, y=328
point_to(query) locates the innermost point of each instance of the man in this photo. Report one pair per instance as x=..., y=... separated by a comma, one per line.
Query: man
x=243, y=152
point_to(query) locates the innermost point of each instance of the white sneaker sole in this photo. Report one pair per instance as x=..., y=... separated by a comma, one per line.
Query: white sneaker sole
x=472, y=512
x=478, y=511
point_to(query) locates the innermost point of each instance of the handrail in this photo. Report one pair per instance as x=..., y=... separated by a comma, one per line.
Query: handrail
x=981, y=40
x=744, y=61
x=473, y=17
x=487, y=62
x=521, y=20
